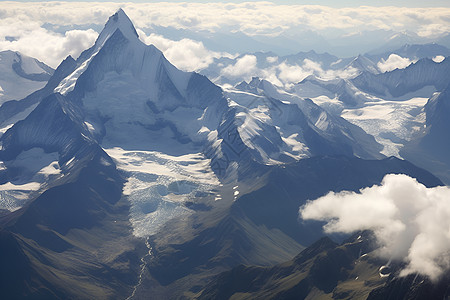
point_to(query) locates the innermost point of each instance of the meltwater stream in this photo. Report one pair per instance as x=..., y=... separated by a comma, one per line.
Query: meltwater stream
x=142, y=269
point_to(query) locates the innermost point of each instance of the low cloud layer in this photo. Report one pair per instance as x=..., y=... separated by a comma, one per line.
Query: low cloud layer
x=249, y=17
x=393, y=62
x=50, y=31
x=411, y=222
x=281, y=73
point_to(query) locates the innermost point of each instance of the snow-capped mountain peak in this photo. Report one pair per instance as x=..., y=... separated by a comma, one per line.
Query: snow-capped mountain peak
x=117, y=21
x=119, y=28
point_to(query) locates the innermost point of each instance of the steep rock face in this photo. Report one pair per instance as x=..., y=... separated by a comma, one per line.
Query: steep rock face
x=55, y=125
x=399, y=82
x=15, y=260
x=430, y=149
x=437, y=110
x=437, y=125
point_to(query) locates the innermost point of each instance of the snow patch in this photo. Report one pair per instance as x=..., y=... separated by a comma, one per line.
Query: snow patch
x=89, y=126
x=36, y=161
x=438, y=58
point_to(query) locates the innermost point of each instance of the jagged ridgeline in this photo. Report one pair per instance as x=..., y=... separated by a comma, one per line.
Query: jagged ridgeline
x=123, y=177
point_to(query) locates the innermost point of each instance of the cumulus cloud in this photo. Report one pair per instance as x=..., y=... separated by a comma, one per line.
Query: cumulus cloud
x=411, y=222
x=24, y=32
x=292, y=73
x=244, y=66
x=50, y=47
x=393, y=62
x=185, y=54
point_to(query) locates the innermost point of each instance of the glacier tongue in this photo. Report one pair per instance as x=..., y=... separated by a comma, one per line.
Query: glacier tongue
x=161, y=186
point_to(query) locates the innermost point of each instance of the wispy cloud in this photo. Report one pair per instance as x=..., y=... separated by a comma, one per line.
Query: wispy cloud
x=411, y=222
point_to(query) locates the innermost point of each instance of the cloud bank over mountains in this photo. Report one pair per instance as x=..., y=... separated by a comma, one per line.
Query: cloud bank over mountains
x=186, y=54
x=411, y=222
x=45, y=30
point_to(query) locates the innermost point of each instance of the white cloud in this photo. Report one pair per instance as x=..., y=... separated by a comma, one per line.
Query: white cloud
x=26, y=19
x=251, y=17
x=185, y=54
x=272, y=59
x=411, y=222
x=245, y=65
x=292, y=73
x=50, y=47
x=393, y=62
x=438, y=58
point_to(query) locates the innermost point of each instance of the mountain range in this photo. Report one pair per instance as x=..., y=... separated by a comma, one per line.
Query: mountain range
x=122, y=176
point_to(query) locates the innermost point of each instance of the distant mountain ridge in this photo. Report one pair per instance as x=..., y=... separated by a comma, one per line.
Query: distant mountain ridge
x=126, y=177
